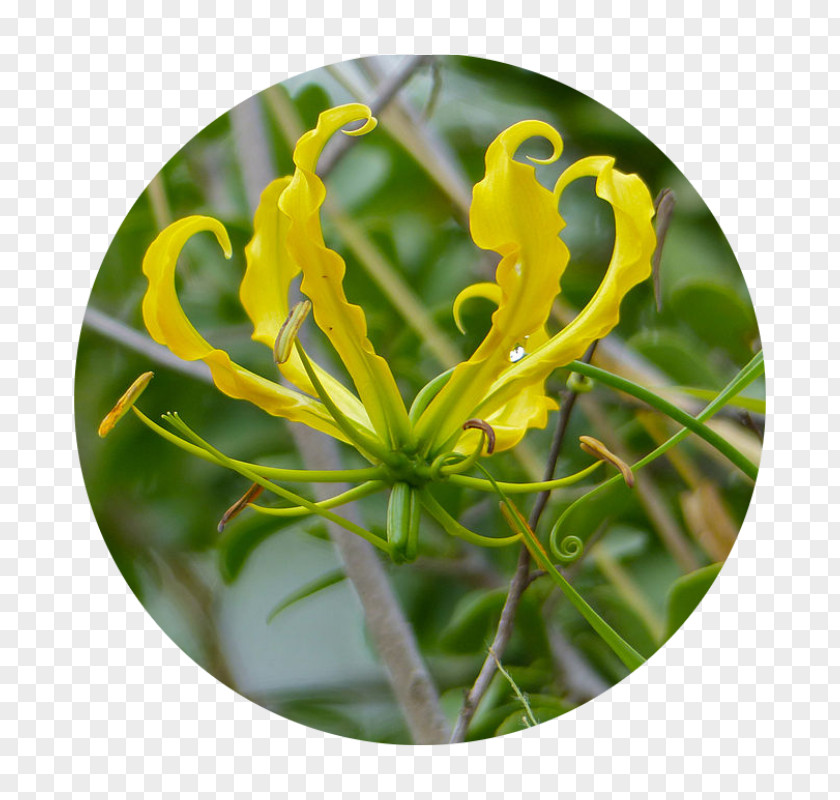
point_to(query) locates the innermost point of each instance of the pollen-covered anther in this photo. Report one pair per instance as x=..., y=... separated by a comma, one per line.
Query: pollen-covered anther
x=289, y=330
x=596, y=448
x=124, y=404
x=254, y=491
x=487, y=428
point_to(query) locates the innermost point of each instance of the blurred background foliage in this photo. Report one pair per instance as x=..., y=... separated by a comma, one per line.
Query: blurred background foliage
x=403, y=191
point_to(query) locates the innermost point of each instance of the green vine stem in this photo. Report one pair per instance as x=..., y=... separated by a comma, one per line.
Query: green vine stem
x=356, y=493
x=693, y=424
x=740, y=382
x=246, y=472
x=628, y=655
x=290, y=475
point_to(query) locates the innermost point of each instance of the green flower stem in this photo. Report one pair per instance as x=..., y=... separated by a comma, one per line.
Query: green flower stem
x=740, y=382
x=464, y=463
x=652, y=399
x=362, y=441
x=455, y=528
x=524, y=488
x=356, y=493
x=427, y=394
x=181, y=426
x=290, y=475
x=628, y=655
x=754, y=405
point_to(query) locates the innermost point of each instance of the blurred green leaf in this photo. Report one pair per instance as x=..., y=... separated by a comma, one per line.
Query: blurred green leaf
x=307, y=590
x=473, y=621
x=686, y=594
x=544, y=708
x=677, y=356
x=717, y=315
x=243, y=537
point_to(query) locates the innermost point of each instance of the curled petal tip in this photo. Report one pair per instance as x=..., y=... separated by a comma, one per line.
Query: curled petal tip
x=370, y=123
x=517, y=134
x=489, y=291
x=125, y=402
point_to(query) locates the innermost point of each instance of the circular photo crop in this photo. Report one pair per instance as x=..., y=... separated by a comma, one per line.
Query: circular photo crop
x=420, y=400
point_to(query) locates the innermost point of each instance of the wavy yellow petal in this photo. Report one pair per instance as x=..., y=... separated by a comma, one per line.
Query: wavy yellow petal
x=264, y=293
x=168, y=324
x=629, y=265
x=323, y=272
x=513, y=215
x=530, y=408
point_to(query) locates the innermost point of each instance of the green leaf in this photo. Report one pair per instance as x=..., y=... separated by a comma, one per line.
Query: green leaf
x=473, y=621
x=242, y=538
x=677, y=356
x=717, y=314
x=686, y=594
x=544, y=707
x=307, y=590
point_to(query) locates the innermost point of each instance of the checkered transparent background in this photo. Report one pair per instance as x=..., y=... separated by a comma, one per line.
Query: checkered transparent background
x=98, y=702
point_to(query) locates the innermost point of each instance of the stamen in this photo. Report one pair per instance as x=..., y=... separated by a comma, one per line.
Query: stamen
x=124, y=404
x=254, y=491
x=285, y=340
x=481, y=425
x=598, y=449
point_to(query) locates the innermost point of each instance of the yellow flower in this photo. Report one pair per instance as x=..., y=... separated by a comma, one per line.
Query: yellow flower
x=512, y=214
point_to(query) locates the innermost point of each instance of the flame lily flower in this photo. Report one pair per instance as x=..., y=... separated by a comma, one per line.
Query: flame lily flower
x=491, y=399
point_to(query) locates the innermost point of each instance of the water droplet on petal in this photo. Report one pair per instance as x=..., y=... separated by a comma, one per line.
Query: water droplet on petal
x=517, y=354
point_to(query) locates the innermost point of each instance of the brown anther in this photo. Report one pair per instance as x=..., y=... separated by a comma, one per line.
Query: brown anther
x=596, y=448
x=124, y=404
x=254, y=491
x=287, y=335
x=481, y=425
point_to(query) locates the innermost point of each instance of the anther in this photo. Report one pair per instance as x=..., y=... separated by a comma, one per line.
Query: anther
x=285, y=340
x=596, y=448
x=124, y=404
x=254, y=491
x=480, y=424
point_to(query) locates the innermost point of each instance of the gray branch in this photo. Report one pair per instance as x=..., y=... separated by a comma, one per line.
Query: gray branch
x=390, y=631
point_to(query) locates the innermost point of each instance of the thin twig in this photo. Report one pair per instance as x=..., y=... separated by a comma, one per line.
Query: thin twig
x=410, y=130
x=121, y=333
x=390, y=631
x=520, y=580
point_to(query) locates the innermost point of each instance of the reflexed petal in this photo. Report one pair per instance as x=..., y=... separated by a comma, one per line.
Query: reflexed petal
x=530, y=408
x=323, y=272
x=629, y=265
x=264, y=293
x=264, y=290
x=169, y=326
x=516, y=217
